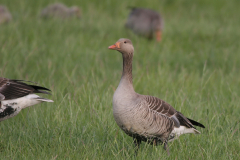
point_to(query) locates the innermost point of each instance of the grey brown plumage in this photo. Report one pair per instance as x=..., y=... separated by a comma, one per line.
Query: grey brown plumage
x=143, y=117
x=16, y=95
x=145, y=22
x=5, y=15
x=61, y=11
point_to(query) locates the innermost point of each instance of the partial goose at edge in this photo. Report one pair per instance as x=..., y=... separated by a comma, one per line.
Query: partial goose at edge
x=16, y=95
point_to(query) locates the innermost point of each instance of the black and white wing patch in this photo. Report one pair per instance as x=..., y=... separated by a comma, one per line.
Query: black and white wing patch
x=11, y=89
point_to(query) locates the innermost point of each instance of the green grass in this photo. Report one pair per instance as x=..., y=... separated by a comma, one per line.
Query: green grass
x=195, y=69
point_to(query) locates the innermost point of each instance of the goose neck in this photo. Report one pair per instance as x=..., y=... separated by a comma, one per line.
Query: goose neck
x=127, y=69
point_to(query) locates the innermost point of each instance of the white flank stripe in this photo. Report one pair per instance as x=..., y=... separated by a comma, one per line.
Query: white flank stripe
x=184, y=130
x=27, y=101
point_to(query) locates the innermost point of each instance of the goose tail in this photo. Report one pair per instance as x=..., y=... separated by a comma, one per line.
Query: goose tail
x=195, y=123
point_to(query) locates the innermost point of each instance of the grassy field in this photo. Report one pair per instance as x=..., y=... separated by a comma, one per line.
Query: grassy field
x=196, y=69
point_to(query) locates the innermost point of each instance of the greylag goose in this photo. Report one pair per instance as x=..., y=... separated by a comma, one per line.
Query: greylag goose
x=59, y=10
x=16, y=95
x=145, y=22
x=5, y=15
x=143, y=117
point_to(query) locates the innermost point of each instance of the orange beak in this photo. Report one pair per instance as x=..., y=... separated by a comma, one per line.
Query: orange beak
x=158, y=36
x=115, y=46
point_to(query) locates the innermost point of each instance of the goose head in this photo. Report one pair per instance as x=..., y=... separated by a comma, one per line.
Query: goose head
x=124, y=46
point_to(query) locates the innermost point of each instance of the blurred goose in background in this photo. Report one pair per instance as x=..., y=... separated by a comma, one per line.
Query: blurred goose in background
x=145, y=22
x=143, y=117
x=59, y=10
x=16, y=95
x=5, y=15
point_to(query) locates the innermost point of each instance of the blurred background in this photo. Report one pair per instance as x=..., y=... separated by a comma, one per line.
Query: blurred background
x=195, y=68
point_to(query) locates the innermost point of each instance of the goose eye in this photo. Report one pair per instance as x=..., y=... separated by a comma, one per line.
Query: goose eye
x=125, y=41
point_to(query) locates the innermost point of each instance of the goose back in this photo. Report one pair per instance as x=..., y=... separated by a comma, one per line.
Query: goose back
x=12, y=89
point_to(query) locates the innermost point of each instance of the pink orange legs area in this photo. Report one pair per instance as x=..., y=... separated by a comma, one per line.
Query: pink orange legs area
x=159, y=35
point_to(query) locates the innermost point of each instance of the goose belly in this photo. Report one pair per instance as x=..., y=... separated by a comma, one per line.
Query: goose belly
x=9, y=110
